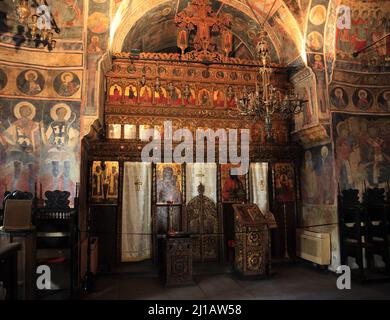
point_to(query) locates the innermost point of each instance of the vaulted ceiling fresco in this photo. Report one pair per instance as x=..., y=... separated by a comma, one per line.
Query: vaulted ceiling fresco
x=156, y=31
x=149, y=25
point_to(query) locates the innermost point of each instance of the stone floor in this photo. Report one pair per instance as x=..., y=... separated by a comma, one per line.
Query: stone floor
x=289, y=281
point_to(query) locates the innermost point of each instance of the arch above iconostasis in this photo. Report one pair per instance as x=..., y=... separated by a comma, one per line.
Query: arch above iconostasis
x=293, y=39
x=283, y=29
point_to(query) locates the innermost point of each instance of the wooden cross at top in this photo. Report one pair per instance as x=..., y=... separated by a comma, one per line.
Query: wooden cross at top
x=199, y=14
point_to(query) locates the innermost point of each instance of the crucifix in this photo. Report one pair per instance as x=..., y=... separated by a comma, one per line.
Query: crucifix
x=198, y=15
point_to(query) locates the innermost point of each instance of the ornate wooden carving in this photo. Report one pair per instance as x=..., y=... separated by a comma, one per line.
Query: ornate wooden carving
x=251, y=241
x=199, y=16
x=177, y=264
x=191, y=95
x=57, y=199
x=203, y=224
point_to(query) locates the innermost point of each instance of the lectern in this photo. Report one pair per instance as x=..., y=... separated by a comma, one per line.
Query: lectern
x=252, y=240
x=177, y=259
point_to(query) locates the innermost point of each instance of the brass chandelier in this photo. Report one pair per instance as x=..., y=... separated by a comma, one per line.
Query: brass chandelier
x=267, y=100
x=39, y=21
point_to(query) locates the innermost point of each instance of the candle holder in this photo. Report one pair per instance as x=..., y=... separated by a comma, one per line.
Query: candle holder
x=286, y=255
x=171, y=230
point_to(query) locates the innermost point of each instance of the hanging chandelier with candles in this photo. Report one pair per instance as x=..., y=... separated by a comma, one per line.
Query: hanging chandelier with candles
x=40, y=22
x=266, y=100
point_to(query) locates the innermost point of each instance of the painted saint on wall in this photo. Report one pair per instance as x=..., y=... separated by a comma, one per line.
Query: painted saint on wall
x=61, y=139
x=309, y=183
x=324, y=171
x=362, y=151
x=317, y=63
x=21, y=140
x=362, y=99
x=368, y=24
x=94, y=45
x=30, y=82
x=317, y=176
x=315, y=41
x=66, y=84
x=339, y=98
x=98, y=22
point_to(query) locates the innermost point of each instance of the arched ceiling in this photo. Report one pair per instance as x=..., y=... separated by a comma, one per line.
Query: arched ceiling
x=149, y=25
x=156, y=31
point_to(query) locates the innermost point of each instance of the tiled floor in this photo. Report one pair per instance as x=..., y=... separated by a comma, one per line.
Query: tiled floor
x=289, y=281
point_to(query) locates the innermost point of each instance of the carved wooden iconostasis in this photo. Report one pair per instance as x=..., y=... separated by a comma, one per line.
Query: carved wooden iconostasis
x=194, y=89
x=143, y=94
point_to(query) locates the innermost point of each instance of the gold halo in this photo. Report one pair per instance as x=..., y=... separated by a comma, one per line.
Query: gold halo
x=325, y=149
x=317, y=15
x=31, y=72
x=24, y=104
x=53, y=111
x=67, y=74
x=315, y=35
x=363, y=91
x=317, y=57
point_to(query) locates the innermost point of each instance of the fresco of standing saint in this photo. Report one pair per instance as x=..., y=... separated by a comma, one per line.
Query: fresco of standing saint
x=61, y=139
x=21, y=141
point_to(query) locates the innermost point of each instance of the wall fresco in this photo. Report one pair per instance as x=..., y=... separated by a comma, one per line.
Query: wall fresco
x=317, y=178
x=362, y=147
x=369, y=22
x=39, y=144
x=97, y=40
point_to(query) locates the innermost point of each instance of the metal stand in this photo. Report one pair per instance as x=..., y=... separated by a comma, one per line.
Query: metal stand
x=286, y=256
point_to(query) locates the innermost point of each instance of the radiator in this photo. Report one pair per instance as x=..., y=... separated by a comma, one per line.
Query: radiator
x=313, y=246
